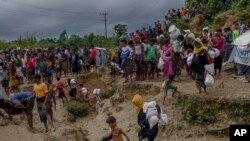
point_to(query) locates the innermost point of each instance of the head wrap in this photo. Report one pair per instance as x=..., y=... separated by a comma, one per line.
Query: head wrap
x=197, y=50
x=138, y=102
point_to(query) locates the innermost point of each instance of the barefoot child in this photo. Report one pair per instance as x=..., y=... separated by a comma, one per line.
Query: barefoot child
x=50, y=98
x=72, y=91
x=97, y=92
x=168, y=86
x=86, y=97
x=59, y=86
x=116, y=133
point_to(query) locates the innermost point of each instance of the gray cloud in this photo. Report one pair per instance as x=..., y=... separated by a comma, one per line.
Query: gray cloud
x=47, y=18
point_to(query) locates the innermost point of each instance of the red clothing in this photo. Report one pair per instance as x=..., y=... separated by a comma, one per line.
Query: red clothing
x=219, y=43
x=92, y=53
x=59, y=84
x=33, y=60
x=29, y=65
x=145, y=35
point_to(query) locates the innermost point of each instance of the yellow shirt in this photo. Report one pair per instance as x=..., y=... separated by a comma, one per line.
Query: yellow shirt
x=40, y=90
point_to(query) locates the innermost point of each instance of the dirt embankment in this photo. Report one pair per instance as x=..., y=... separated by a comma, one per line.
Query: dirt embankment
x=191, y=117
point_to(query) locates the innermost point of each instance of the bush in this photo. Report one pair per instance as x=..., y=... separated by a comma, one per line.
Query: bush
x=192, y=3
x=113, y=83
x=212, y=8
x=109, y=93
x=181, y=24
x=71, y=118
x=78, y=109
x=197, y=113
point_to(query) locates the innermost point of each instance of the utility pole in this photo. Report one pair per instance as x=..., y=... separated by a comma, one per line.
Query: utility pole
x=105, y=21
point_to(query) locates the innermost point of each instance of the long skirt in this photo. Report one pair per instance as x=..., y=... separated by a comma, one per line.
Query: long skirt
x=167, y=70
x=200, y=79
x=139, y=63
x=127, y=66
x=177, y=64
x=218, y=62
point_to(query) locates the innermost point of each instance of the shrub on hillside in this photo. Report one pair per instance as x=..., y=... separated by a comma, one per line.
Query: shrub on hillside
x=77, y=109
x=109, y=93
x=181, y=24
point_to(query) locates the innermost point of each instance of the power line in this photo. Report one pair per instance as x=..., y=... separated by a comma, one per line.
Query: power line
x=105, y=22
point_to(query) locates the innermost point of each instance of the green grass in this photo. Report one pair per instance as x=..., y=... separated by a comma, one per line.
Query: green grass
x=76, y=110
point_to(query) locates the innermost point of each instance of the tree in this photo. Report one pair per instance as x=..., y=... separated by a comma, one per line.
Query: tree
x=120, y=29
x=63, y=38
x=91, y=38
x=75, y=41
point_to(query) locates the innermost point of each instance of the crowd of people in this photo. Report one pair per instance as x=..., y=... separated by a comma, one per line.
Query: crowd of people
x=143, y=57
x=201, y=57
x=45, y=68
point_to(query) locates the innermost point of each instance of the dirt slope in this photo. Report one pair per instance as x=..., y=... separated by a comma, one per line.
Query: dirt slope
x=93, y=127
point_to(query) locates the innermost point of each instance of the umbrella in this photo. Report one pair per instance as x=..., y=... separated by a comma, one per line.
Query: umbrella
x=243, y=40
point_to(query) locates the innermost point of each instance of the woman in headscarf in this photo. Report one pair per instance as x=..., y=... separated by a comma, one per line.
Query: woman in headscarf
x=167, y=54
x=146, y=117
x=199, y=61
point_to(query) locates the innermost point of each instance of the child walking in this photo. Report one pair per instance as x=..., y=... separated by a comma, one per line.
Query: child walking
x=116, y=132
x=50, y=98
x=59, y=86
x=168, y=86
x=96, y=93
x=73, y=91
x=86, y=97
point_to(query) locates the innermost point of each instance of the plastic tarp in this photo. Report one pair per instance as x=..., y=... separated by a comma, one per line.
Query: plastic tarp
x=243, y=40
x=241, y=51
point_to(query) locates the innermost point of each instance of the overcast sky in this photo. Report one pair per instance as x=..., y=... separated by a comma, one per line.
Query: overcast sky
x=47, y=18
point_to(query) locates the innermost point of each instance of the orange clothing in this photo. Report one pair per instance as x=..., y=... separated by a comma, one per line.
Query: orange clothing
x=48, y=64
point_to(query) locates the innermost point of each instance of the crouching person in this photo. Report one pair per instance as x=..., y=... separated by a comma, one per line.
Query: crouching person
x=23, y=102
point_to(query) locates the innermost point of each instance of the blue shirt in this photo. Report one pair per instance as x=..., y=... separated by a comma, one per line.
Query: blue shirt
x=18, y=98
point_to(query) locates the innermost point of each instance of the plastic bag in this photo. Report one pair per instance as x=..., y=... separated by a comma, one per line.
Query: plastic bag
x=210, y=68
x=209, y=81
x=214, y=52
x=217, y=52
x=160, y=64
x=164, y=119
x=96, y=91
x=190, y=58
x=211, y=53
x=84, y=91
